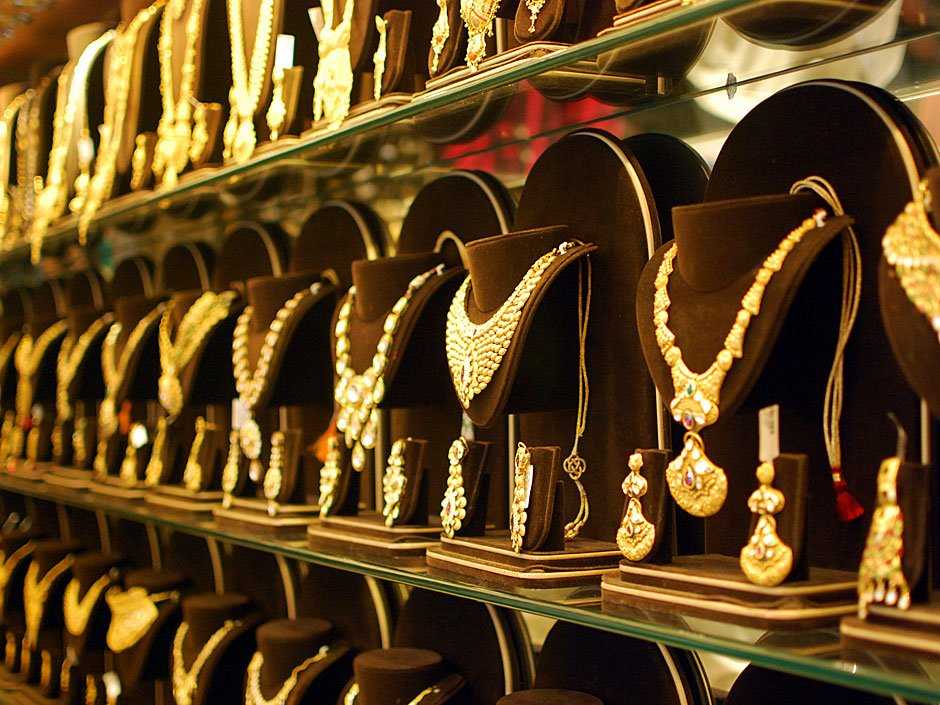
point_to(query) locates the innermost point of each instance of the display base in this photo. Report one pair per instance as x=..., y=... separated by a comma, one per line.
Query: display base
x=713, y=586
x=488, y=560
x=27, y=469
x=585, y=78
x=361, y=112
x=251, y=513
x=116, y=487
x=70, y=478
x=532, y=50
x=366, y=536
x=182, y=499
x=913, y=630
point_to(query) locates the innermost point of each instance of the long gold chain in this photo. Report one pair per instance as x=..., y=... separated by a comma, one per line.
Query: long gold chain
x=358, y=395
x=186, y=681
x=77, y=609
x=70, y=359
x=476, y=350
x=35, y=593
x=247, y=81
x=253, y=694
x=478, y=16
x=207, y=312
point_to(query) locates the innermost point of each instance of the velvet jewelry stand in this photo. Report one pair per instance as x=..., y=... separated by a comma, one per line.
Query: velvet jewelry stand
x=15, y=305
x=32, y=444
x=426, y=423
x=298, y=400
x=119, y=464
x=74, y=437
x=614, y=193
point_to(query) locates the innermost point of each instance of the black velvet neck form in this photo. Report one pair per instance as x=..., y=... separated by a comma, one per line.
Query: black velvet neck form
x=380, y=283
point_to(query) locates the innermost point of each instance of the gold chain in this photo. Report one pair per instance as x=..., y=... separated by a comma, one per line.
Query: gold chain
x=70, y=359
x=352, y=695
x=35, y=593
x=358, y=395
x=478, y=16
x=253, y=694
x=247, y=81
x=77, y=610
x=185, y=682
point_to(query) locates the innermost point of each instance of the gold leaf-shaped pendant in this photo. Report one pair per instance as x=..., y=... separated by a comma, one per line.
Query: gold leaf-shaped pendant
x=697, y=484
x=636, y=535
x=766, y=560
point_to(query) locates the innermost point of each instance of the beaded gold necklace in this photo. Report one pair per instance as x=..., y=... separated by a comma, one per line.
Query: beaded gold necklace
x=71, y=355
x=186, y=681
x=77, y=610
x=253, y=694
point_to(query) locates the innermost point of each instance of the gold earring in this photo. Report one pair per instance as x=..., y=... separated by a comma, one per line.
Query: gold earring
x=880, y=576
x=636, y=535
x=231, y=470
x=329, y=476
x=521, y=485
x=766, y=560
x=454, y=505
x=534, y=7
x=393, y=482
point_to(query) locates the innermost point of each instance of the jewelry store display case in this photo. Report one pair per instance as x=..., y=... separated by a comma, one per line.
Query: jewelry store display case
x=366, y=335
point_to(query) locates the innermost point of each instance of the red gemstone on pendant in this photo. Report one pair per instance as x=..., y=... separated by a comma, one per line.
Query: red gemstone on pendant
x=688, y=420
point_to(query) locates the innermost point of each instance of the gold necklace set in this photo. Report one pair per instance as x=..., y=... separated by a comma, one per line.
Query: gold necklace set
x=253, y=694
x=175, y=129
x=133, y=612
x=636, y=535
x=71, y=355
x=76, y=608
x=697, y=484
x=478, y=16
x=207, y=312
x=117, y=95
x=333, y=84
x=27, y=359
x=454, y=504
x=186, y=681
x=247, y=81
x=36, y=592
x=359, y=395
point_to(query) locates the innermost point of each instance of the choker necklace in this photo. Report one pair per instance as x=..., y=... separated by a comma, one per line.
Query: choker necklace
x=70, y=359
x=208, y=311
x=253, y=694
x=358, y=395
x=185, y=682
x=77, y=610
x=912, y=248
x=439, y=36
x=352, y=695
x=133, y=612
x=476, y=350
x=252, y=384
x=333, y=84
x=247, y=81
x=478, y=16
x=35, y=593
x=696, y=483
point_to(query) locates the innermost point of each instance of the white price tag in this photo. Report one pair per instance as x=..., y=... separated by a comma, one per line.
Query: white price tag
x=284, y=51
x=769, y=433
x=316, y=19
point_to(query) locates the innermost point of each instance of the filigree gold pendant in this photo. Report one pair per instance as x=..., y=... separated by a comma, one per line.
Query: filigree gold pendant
x=132, y=615
x=454, y=505
x=250, y=437
x=330, y=476
x=534, y=7
x=881, y=575
x=636, y=535
x=439, y=36
x=393, y=483
x=695, y=482
x=170, y=392
x=154, y=472
x=232, y=468
x=192, y=474
x=766, y=560
x=521, y=485
x=274, y=477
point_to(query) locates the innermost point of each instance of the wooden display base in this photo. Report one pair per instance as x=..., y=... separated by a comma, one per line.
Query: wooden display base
x=27, y=469
x=360, y=112
x=116, y=487
x=182, y=499
x=914, y=630
x=70, y=478
x=366, y=536
x=713, y=586
x=532, y=50
x=488, y=560
x=252, y=513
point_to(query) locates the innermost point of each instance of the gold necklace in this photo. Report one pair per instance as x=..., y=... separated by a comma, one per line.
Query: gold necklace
x=912, y=248
x=454, y=505
x=133, y=612
x=27, y=359
x=534, y=7
x=174, y=131
x=393, y=482
x=478, y=16
x=9, y=564
x=208, y=311
x=332, y=86
x=766, y=560
x=521, y=488
x=439, y=35
x=696, y=483
x=185, y=682
x=251, y=384
x=352, y=695
x=253, y=694
x=636, y=534
x=476, y=350
x=358, y=395
x=70, y=359
x=7, y=126
x=35, y=593
x=247, y=81
x=77, y=610
x=117, y=92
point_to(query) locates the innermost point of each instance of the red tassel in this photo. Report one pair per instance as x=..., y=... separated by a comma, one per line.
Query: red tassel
x=847, y=507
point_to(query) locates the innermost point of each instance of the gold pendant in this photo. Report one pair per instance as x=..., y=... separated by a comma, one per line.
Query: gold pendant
x=128, y=472
x=478, y=16
x=330, y=476
x=534, y=7
x=79, y=449
x=521, y=486
x=132, y=614
x=881, y=575
x=333, y=84
x=439, y=36
x=695, y=482
x=766, y=560
x=170, y=392
x=454, y=506
x=277, y=110
x=393, y=482
x=232, y=470
x=379, y=57
x=199, y=138
x=250, y=437
x=274, y=477
x=636, y=535
x=193, y=474
x=58, y=446
x=245, y=140
x=107, y=418
x=154, y=473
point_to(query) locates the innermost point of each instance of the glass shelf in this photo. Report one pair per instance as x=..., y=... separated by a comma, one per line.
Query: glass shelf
x=812, y=653
x=684, y=69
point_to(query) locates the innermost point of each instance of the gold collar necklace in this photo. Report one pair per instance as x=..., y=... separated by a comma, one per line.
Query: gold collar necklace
x=253, y=694
x=358, y=395
x=76, y=608
x=71, y=356
x=207, y=312
x=247, y=81
x=35, y=593
x=185, y=681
